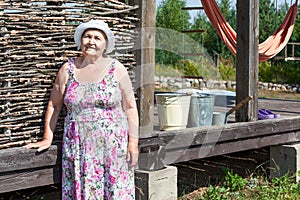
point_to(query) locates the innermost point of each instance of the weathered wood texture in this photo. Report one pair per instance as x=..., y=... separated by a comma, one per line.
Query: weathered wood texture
x=145, y=52
x=194, y=143
x=36, y=37
x=24, y=168
x=247, y=58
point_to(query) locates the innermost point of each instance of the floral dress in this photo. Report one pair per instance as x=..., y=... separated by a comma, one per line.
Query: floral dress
x=95, y=141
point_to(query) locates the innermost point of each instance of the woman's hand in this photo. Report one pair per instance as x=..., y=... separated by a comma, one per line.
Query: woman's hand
x=41, y=145
x=132, y=152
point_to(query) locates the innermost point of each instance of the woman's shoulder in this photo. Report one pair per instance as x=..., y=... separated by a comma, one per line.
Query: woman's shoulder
x=119, y=66
x=120, y=70
x=64, y=67
x=63, y=72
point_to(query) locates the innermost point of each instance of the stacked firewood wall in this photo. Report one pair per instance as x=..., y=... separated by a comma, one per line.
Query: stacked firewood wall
x=36, y=37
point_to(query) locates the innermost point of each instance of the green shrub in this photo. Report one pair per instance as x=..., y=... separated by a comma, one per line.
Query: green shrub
x=168, y=71
x=199, y=68
x=287, y=72
x=227, y=71
x=236, y=187
x=190, y=68
x=279, y=72
x=216, y=193
x=233, y=182
x=265, y=72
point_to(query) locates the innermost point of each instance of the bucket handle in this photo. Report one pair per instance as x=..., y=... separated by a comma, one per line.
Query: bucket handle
x=244, y=101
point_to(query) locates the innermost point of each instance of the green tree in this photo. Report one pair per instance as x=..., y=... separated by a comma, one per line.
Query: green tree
x=230, y=16
x=279, y=71
x=269, y=19
x=170, y=21
x=283, y=9
x=212, y=41
x=296, y=33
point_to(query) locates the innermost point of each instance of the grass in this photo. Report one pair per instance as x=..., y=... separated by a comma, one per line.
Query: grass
x=279, y=95
x=235, y=187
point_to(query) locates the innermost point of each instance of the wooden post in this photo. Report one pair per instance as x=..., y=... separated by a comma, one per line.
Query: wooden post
x=217, y=60
x=247, y=58
x=145, y=58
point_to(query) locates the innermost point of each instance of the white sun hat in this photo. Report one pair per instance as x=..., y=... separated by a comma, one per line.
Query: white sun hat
x=95, y=24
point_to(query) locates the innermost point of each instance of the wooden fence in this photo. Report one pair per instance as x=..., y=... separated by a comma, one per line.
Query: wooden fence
x=36, y=37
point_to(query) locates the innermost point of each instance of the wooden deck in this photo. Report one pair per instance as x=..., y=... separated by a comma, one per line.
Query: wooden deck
x=24, y=168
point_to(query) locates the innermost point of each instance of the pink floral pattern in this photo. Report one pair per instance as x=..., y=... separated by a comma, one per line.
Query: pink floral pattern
x=95, y=141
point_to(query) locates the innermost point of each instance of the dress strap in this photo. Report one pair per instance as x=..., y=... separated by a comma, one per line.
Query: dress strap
x=112, y=67
x=71, y=68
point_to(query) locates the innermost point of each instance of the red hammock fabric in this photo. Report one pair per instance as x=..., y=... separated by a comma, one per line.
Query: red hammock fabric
x=269, y=48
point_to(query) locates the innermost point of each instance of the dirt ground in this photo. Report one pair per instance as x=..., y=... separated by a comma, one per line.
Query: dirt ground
x=196, y=174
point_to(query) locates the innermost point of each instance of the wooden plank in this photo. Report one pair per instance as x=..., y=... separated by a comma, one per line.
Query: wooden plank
x=18, y=158
x=158, y=156
x=23, y=168
x=29, y=178
x=286, y=58
x=193, y=31
x=186, y=154
x=192, y=8
x=221, y=134
x=247, y=59
x=193, y=77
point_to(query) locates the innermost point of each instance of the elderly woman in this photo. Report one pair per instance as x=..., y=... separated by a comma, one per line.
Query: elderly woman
x=100, y=141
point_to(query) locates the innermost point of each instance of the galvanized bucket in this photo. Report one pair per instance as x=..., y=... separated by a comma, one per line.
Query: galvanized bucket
x=201, y=110
x=219, y=118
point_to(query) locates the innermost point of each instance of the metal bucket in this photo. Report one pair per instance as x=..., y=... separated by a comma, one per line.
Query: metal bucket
x=201, y=110
x=172, y=110
x=219, y=118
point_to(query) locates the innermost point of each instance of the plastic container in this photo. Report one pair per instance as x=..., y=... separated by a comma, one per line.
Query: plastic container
x=173, y=110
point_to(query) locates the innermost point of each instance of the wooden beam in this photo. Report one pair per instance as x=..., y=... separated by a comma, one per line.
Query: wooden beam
x=22, y=168
x=10, y=160
x=145, y=57
x=194, y=143
x=193, y=31
x=247, y=58
x=209, y=135
x=192, y=8
x=30, y=178
x=186, y=154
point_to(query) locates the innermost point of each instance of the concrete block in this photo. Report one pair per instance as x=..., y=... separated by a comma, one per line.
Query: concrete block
x=156, y=185
x=285, y=159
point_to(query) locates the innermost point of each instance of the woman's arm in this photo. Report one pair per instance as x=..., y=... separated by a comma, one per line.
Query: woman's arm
x=54, y=107
x=130, y=108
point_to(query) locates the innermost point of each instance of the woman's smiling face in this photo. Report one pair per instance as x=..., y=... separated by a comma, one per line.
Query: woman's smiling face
x=93, y=42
